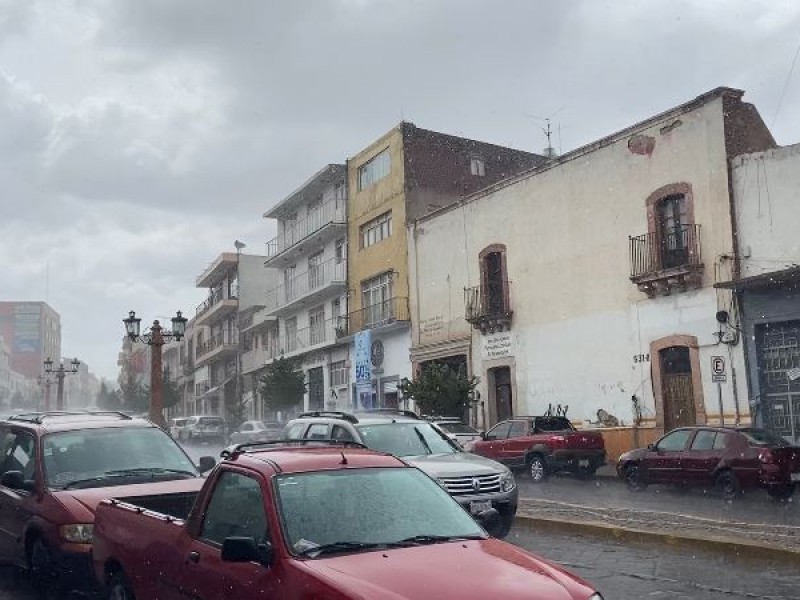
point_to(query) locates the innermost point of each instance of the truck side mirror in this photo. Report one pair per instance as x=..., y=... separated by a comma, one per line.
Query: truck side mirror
x=483, y=435
x=15, y=480
x=207, y=463
x=245, y=549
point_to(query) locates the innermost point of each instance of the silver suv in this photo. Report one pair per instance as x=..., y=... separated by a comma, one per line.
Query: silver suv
x=477, y=483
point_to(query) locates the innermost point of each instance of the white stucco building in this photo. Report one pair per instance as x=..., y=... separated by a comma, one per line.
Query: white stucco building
x=588, y=282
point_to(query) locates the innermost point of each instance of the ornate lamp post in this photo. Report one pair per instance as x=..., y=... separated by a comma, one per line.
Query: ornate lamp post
x=156, y=339
x=60, y=373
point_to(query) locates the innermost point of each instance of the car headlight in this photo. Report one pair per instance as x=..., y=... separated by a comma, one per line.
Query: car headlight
x=78, y=533
x=507, y=482
x=596, y=596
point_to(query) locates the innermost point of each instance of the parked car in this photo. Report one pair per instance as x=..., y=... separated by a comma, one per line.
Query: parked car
x=201, y=428
x=317, y=521
x=176, y=426
x=475, y=482
x=56, y=467
x=729, y=460
x=256, y=431
x=542, y=445
x=456, y=430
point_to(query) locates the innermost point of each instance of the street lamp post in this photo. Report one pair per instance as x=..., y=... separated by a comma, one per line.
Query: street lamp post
x=156, y=339
x=60, y=373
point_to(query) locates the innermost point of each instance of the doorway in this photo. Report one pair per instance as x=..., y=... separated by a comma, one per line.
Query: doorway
x=677, y=387
x=316, y=389
x=503, y=400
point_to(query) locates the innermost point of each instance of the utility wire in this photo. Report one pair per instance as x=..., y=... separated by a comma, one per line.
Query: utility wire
x=786, y=85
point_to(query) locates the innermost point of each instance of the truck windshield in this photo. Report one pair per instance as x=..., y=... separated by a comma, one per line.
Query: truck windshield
x=406, y=439
x=363, y=509
x=112, y=456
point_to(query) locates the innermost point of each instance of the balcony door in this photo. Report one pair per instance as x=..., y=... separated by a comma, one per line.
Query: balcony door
x=289, y=282
x=672, y=231
x=376, y=295
x=315, y=271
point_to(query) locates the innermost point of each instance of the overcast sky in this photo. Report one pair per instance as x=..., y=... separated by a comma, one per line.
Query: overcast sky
x=140, y=138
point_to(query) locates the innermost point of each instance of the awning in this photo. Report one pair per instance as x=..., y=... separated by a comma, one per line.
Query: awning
x=784, y=277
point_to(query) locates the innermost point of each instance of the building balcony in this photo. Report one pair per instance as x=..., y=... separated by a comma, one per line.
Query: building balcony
x=661, y=264
x=320, y=227
x=216, y=306
x=201, y=388
x=488, y=307
x=217, y=270
x=385, y=314
x=221, y=345
x=307, y=289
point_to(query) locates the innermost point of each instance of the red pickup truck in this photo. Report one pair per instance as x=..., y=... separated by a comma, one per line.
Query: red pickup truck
x=542, y=445
x=316, y=522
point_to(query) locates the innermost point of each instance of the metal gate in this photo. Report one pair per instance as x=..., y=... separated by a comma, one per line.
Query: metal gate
x=316, y=389
x=778, y=351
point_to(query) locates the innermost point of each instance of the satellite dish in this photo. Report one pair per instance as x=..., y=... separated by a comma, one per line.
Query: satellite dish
x=722, y=316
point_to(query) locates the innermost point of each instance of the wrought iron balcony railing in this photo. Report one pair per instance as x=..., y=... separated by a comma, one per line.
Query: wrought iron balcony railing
x=654, y=252
x=333, y=211
x=300, y=286
x=377, y=315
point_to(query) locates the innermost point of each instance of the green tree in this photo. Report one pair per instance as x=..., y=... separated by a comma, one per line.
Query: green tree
x=283, y=385
x=170, y=390
x=135, y=396
x=108, y=399
x=441, y=390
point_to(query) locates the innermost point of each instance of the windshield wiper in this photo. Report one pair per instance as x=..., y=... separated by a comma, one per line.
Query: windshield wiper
x=343, y=546
x=416, y=540
x=423, y=440
x=149, y=470
x=98, y=478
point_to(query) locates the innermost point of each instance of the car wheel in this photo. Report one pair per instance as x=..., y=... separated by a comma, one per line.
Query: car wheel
x=536, y=468
x=634, y=479
x=41, y=562
x=503, y=526
x=120, y=588
x=781, y=492
x=728, y=486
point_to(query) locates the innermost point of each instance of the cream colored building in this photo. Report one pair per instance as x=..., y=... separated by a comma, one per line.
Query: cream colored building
x=403, y=175
x=588, y=282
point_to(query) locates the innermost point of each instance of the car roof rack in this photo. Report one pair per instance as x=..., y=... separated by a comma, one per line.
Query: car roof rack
x=39, y=417
x=281, y=444
x=331, y=414
x=391, y=411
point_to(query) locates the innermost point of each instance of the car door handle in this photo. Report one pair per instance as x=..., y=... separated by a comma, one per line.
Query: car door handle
x=193, y=557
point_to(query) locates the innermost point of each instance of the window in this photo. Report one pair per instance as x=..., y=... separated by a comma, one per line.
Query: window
x=18, y=454
x=723, y=440
x=236, y=508
x=290, y=230
x=499, y=432
x=672, y=230
x=477, y=167
x=339, y=373
x=553, y=424
x=318, y=431
x=316, y=322
x=291, y=334
x=336, y=310
x=376, y=294
x=316, y=274
x=288, y=282
x=376, y=230
x=704, y=440
x=295, y=432
x=675, y=441
x=341, y=434
x=518, y=429
x=374, y=170
x=315, y=216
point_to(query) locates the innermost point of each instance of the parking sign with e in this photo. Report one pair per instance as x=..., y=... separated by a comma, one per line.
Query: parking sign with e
x=718, y=374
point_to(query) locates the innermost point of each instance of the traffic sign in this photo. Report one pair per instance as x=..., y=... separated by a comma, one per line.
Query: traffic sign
x=718, y=374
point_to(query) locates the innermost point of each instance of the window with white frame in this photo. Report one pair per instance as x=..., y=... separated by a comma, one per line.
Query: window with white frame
x=374, y=169
x=376, y=230
x=316, y=324
x=477, y=166
x=339, y=373
x=291, y=334
x=376, y=295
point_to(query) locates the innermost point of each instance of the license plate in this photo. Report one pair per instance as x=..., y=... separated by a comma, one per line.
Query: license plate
x=795, y=476
x=584, y=463
x=477, y=508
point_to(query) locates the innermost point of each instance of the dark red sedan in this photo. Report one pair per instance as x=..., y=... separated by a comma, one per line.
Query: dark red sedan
x=727, y=459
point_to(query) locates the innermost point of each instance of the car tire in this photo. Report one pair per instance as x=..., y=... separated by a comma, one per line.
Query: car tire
x=119, y=588
x=503, y=526
x=40, y=560
x=633, y=478
x=728, y=486
x=781, y=492
x=536, y=469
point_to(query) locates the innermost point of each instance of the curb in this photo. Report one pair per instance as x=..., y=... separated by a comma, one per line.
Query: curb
x=728, y=546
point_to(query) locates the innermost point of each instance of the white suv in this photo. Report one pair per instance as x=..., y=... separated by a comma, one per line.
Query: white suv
x=203, y=428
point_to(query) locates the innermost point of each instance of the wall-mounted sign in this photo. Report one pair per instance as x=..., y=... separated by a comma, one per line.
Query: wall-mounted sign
x=376, y=353
x=497, y=345
x=362, y=348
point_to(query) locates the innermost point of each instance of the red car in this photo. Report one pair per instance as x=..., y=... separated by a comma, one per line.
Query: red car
x=54, y=470
x=729, y=460
x=328, y=520
x=541, y=446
